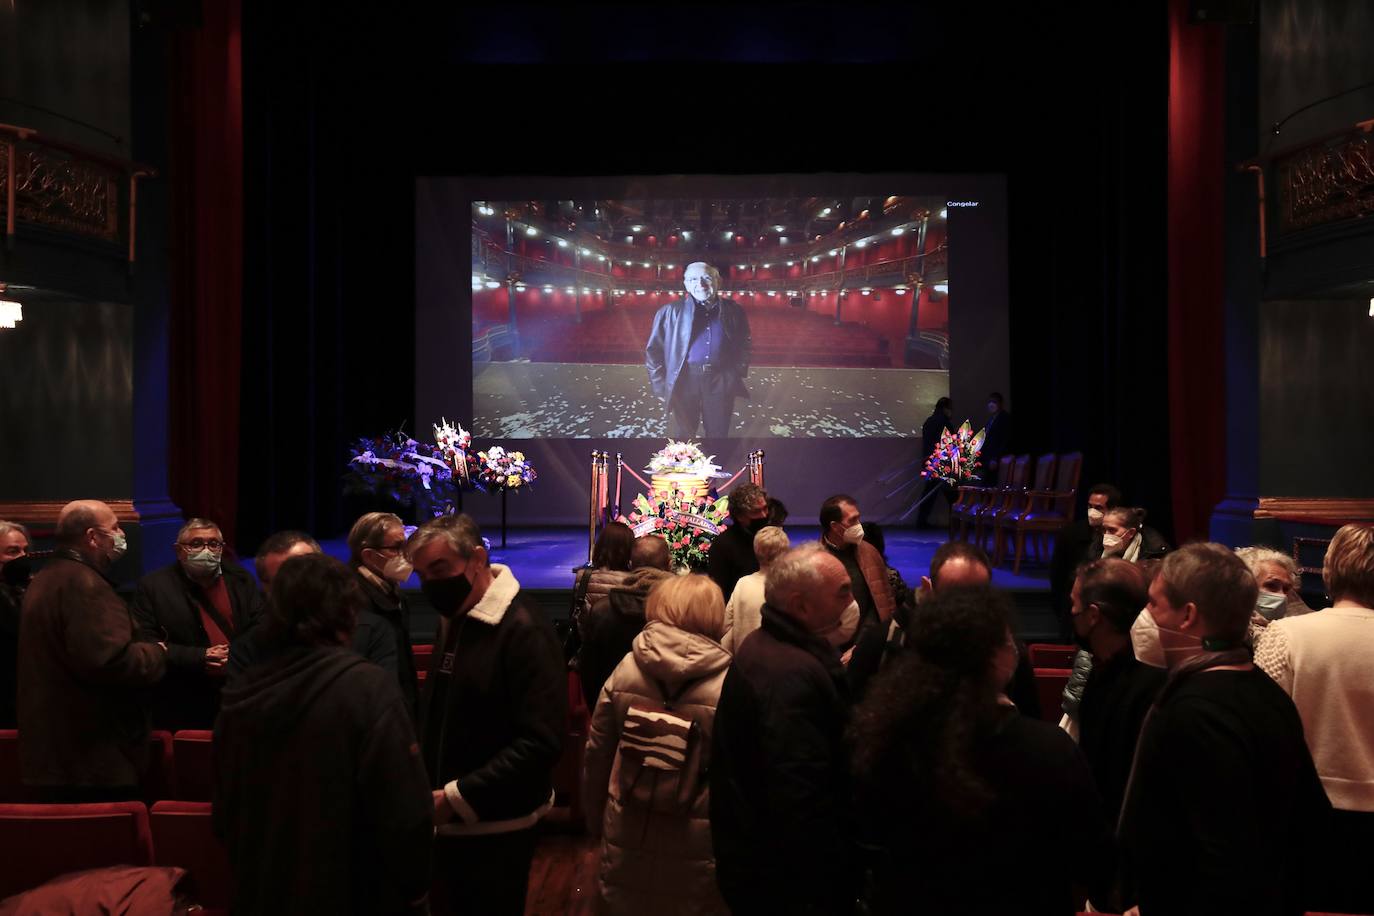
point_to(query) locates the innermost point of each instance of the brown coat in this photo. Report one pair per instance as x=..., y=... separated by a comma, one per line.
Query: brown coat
x=82, y=720
x=654, y=862
x=875, y=574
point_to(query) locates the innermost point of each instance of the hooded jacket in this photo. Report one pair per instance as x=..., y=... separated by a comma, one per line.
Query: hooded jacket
x=320, y=791
x=609, y=627
x=653, y=859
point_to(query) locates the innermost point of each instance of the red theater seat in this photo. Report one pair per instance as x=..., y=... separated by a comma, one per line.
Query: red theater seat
x=193, y=754
x=11, y=782
x=1050, y=655
x=41, y=842
x=160, y=780
x=157, y=781
x=1049, y=684
x=422, y=652
x=183, y=836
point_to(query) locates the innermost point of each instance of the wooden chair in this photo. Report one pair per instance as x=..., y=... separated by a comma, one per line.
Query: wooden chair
x=970, y=498
x=1001, y=501
x=1017, y=502
x=1046, y=512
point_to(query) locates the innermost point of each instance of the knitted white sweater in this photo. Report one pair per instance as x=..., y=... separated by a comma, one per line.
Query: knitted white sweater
x=1325, y=661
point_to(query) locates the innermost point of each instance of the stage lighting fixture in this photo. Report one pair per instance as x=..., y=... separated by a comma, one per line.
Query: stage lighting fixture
x=629, y=238
x=729, y=235
x=569, y=290
x=644, y=264
x=548, y=289
x=861, y=243
x=942, y=213
x=901, y=290
x=686, y=235
x=530, y=230
x=636, y=228
x=520, y=289
x=834, y=251
x=562, y=243
x=740, y=266
x=815, y=258
x=492, y=284
x=783, y=240
x=825, y=212
x=668, y=266
x=639, y=292
x=779, y=228
x=898, y=231
x=767, y=266
x=941, y=287
x=601, y=257
x=789, y=263
x=772, y=292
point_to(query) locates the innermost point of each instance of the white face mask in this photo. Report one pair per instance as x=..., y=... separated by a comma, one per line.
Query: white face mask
x=1111, y=543
x=202, y=563
x=119, y=547
x=1271, y=606
x=397, y=569
x=843, y=630
x=1095, y=516
x=854, y=534
x=1161, y=647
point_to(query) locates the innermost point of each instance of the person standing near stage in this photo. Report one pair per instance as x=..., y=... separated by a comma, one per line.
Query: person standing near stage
x=997, y=442
x=931, y=430
x=698, y=356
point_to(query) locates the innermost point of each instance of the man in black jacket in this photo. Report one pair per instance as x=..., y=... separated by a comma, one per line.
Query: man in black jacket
x=373, y=637
x=1223, y=800
x=14, y=579
x=1076, y=544
x=376, y=549
x=496, y=708
x=997, y=443
x=320, y=791
x=196, y=606
x=780, y=826
x=731, y=556
x=698, y=356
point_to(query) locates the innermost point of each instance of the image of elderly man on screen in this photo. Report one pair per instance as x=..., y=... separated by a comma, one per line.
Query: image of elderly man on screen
x=698, y=357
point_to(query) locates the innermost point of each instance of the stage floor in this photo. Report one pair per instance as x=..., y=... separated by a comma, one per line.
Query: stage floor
x=545, y=558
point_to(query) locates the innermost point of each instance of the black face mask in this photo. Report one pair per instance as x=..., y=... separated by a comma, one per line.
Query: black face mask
x=754, y=526
x=447, y=595
x=17, y=572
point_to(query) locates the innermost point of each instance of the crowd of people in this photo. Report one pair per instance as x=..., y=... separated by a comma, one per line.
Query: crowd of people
x=792, y=730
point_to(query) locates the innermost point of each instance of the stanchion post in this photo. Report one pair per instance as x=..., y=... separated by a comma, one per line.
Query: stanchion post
x=591, y=512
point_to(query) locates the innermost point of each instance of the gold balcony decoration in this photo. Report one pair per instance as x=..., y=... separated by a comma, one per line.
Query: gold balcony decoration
x=1326, y=182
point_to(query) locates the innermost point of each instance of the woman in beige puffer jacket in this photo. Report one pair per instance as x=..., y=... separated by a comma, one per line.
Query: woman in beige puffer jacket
x=656, y=849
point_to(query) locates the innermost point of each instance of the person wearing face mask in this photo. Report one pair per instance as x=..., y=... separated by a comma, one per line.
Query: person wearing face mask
x=1325, y=662
x=14, y=580
x=731, y=556
x=377, y=550
x=1277, y=576
x=968, y=803
x=781, y=823
x=196, y=605
x=1223, y=803
x=1074, y=545
x=698, y=355
x=842, y=534
x=1107, y=596
x=82, y=675
x=373, y=635
x=496, y=708
x=1125, y=535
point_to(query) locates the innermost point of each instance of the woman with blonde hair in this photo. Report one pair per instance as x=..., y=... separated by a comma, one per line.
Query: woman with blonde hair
x=644, y=781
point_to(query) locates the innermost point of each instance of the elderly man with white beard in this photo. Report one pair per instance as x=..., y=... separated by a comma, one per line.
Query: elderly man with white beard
x=698, y=356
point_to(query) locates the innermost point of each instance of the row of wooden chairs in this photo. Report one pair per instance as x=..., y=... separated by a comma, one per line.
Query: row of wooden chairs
x=1014, y=504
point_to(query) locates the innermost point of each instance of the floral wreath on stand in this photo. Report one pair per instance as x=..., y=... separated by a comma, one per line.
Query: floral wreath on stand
x=498, y=469
x=955, y=457
x=689, y=524
x=683, y=458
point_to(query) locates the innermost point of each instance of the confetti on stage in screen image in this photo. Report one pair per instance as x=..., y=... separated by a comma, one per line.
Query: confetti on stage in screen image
x=515, y=400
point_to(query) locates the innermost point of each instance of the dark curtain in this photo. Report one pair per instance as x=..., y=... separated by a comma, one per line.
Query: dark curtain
x=205, y=155
x=1197, y=326
x=328, y=260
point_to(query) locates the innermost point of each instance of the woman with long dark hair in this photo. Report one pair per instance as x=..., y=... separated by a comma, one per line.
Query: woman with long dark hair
x=969, y=805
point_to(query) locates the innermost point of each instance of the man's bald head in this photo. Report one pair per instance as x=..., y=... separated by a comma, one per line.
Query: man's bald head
x=651, y=552
x=79, y=516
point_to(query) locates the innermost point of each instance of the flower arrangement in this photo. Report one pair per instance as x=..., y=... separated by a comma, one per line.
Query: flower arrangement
x=688, y=523
x=454, y=443
x=399, y=468
x=955, y=457
x=683, y=458
x=498, y=469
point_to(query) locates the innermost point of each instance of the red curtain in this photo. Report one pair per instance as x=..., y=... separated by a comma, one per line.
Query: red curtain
x=1197, y=357
x=205, y=146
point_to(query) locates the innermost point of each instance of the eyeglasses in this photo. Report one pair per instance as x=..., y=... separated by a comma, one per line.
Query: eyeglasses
x=398, y=546
x=204, y=544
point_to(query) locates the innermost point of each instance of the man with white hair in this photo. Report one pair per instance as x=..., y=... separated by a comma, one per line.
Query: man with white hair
x=698, y=356
x=780, y=825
